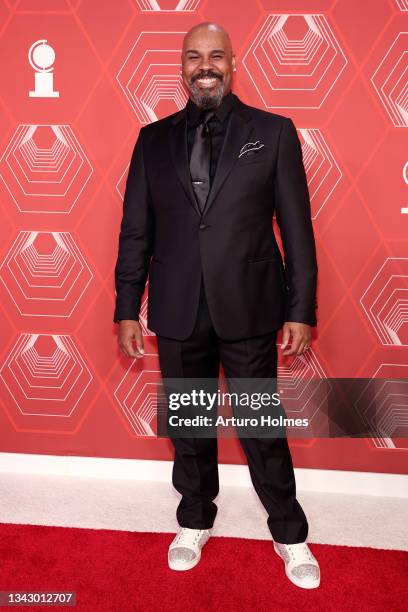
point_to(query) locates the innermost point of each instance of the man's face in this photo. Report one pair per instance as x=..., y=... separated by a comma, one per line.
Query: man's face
x=207, y=66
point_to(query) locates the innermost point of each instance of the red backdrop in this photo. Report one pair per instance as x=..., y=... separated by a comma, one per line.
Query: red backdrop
x=337, y=68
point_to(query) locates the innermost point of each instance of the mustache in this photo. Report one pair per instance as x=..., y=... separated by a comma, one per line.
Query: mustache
x=202, y=75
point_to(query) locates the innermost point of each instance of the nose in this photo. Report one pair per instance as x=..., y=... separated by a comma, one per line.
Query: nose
x=205, y=64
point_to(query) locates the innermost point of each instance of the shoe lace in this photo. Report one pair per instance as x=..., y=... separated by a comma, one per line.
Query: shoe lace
x=188, y=537
x=302, y=554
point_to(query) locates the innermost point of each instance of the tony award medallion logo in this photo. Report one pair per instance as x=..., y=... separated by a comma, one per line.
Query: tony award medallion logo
x=42, y=57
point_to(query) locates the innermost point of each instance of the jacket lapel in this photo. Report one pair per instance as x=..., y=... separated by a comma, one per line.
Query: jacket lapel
x=238, y=131
x=177, y=136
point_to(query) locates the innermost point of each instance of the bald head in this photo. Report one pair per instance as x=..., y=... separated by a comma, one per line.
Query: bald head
x=207, y=63
x=202, y=28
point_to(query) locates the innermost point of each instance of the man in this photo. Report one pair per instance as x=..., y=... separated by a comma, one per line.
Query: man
x=202, y=189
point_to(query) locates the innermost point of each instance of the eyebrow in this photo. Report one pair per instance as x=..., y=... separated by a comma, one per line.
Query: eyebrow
x=212, y=51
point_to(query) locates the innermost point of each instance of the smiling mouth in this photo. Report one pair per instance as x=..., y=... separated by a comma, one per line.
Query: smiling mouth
x=206, y=81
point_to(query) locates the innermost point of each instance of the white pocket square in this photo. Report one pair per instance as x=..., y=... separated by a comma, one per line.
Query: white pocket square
x=251, y=146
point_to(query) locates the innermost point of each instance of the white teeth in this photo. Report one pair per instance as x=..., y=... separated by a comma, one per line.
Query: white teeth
x=207, y=80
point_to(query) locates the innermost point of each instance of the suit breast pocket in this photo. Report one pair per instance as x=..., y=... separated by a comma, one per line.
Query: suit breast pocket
x=251, y=158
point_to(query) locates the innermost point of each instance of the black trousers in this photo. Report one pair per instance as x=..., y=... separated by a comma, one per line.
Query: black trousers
x=195, y=468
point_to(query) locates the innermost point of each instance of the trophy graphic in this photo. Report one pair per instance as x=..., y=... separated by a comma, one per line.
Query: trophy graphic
x=41, y=57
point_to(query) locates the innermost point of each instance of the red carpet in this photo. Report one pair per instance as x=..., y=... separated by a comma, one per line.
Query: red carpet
x=122, y=571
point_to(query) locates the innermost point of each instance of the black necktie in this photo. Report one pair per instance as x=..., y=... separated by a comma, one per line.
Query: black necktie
x=200, y=159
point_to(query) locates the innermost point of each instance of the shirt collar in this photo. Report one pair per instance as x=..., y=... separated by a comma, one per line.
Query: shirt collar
x=194, y=112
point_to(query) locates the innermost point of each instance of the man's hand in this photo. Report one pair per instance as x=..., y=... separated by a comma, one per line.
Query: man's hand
x=129, y=332
x=301, y=337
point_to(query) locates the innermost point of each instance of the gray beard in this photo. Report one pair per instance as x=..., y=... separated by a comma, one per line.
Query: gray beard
x=206, y=101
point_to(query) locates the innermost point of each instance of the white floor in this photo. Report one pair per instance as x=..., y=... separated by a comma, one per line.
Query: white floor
x=351, y=520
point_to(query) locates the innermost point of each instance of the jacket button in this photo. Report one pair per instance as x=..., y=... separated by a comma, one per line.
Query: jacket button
x=203, y=226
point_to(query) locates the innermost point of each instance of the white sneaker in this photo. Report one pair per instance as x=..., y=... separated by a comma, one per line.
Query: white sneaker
x=185, y=549
x=301, y=566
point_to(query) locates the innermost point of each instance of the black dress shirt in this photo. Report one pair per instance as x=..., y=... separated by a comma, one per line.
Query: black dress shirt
x=217, y=124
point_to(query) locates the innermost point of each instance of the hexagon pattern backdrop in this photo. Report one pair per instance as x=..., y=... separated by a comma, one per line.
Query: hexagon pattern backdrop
x=78, y=80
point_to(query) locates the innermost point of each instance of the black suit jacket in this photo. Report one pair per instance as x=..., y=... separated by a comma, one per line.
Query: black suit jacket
x=232, y=244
